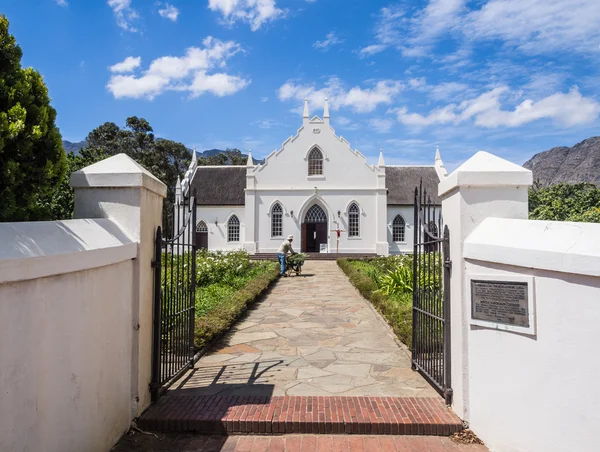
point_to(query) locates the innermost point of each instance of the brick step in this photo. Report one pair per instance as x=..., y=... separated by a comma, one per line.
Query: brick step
x=301, y=414
x=315, y=256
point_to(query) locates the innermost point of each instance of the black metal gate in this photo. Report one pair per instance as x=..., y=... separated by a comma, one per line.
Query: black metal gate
x=174, y=299
x=431, y=295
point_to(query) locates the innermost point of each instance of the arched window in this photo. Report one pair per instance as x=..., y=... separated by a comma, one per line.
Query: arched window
x=315, y=162
x=233, y=229
x=315, y=215
x=277, y=221
x=398, y=229
x=353, y=220
x=201, y=227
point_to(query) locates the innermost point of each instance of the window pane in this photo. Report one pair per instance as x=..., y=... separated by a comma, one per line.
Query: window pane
x=353, y=221
x=315, y=215
x=315, y=162
x=277, y=221
x=398, y=229
x=233, y=229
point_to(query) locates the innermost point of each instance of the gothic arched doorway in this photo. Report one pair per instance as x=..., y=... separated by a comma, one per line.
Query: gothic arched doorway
x=314, y=229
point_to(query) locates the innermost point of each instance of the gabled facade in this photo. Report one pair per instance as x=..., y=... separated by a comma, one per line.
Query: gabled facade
x=312, y=187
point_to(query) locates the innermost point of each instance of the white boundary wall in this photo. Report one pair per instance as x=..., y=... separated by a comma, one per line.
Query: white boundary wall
x=529, y=389
x=76, y=314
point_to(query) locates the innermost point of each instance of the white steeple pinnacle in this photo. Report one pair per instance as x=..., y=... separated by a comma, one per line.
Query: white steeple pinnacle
x=250, y=162
x=440, y=169
x=381, y=162
x=178, y=191
x=305, y=114
x=326, y=109
x=194, y=156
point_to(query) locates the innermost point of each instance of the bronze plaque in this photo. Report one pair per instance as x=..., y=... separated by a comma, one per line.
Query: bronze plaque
x=500, y=302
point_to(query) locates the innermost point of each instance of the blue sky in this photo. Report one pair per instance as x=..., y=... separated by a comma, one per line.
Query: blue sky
x=513, y=77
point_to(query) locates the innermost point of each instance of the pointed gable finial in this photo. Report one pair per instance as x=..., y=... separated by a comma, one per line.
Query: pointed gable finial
x=326, y=109
x=250, y=162
x=437, y=153
x=381, y=162
x=305, y=115
x=194, y=156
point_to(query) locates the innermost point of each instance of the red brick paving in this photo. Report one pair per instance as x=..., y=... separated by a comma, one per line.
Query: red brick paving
x=306, y=443
x=301, y=414
x=189, y=442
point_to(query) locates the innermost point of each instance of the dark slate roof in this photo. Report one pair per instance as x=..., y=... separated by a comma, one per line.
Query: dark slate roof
x=402, y=180
x=220, y=185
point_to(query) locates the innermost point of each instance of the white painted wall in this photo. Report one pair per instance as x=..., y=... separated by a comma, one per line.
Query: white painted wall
x=76, y=303
x=121, y=189
x=408, y=214
x=65, y=335
x=522, y=389
x=346, y=178
x=536, y=392
x=216, y=218
x=299, y=201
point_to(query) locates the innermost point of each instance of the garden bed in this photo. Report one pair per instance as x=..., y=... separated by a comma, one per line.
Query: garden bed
x=387, y=283
x=227, y=283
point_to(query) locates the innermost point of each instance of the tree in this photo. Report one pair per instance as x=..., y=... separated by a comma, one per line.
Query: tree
x=165, y=159
x=61, y=203
x=565, y=202
x=228, y=157
x=32, y=159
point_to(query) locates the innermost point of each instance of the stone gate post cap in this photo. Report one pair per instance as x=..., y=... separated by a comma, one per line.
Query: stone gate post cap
x=486, y=170
x=117, y=171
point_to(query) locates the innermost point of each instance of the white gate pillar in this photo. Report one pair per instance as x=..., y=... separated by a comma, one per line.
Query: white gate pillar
x=484, y=186
x=121, y=189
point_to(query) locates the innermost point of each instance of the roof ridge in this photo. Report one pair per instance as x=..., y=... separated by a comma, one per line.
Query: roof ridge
x=410, y=166
x=221, y=166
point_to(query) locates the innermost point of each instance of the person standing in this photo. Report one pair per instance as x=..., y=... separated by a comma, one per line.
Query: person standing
x=284, y=248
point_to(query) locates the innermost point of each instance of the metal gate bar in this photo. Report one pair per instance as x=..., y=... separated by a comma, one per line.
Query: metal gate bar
x=431, y=295
x=174, y=299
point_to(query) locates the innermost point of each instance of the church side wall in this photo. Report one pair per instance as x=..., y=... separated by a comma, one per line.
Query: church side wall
x=216, y=218
x=331, y=201
x=407, y=213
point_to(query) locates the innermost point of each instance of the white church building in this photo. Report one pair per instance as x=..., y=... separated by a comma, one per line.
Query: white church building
x=316, y=188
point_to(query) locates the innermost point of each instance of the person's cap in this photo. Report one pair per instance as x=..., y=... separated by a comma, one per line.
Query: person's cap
x=290, y=237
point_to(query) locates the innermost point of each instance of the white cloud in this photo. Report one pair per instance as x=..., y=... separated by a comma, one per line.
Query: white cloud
x=538, y=26
x=358, y=99
x=62, y=3
x=265, y=123
x=254, y=12
x=372, y=50
x=330, y=40
x=127, y=65
x=533, y=26
x=381, y=125
x=169, y=12
x=190, y=73
x=565, y=109
x=124, y=14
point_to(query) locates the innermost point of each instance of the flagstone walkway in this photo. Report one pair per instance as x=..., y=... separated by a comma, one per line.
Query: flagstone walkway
x=311, y=335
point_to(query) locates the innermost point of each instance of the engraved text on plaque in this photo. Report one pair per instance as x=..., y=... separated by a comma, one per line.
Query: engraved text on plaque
x=500, y=302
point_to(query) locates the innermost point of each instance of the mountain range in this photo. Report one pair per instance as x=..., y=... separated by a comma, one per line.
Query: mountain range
x=580, y=163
